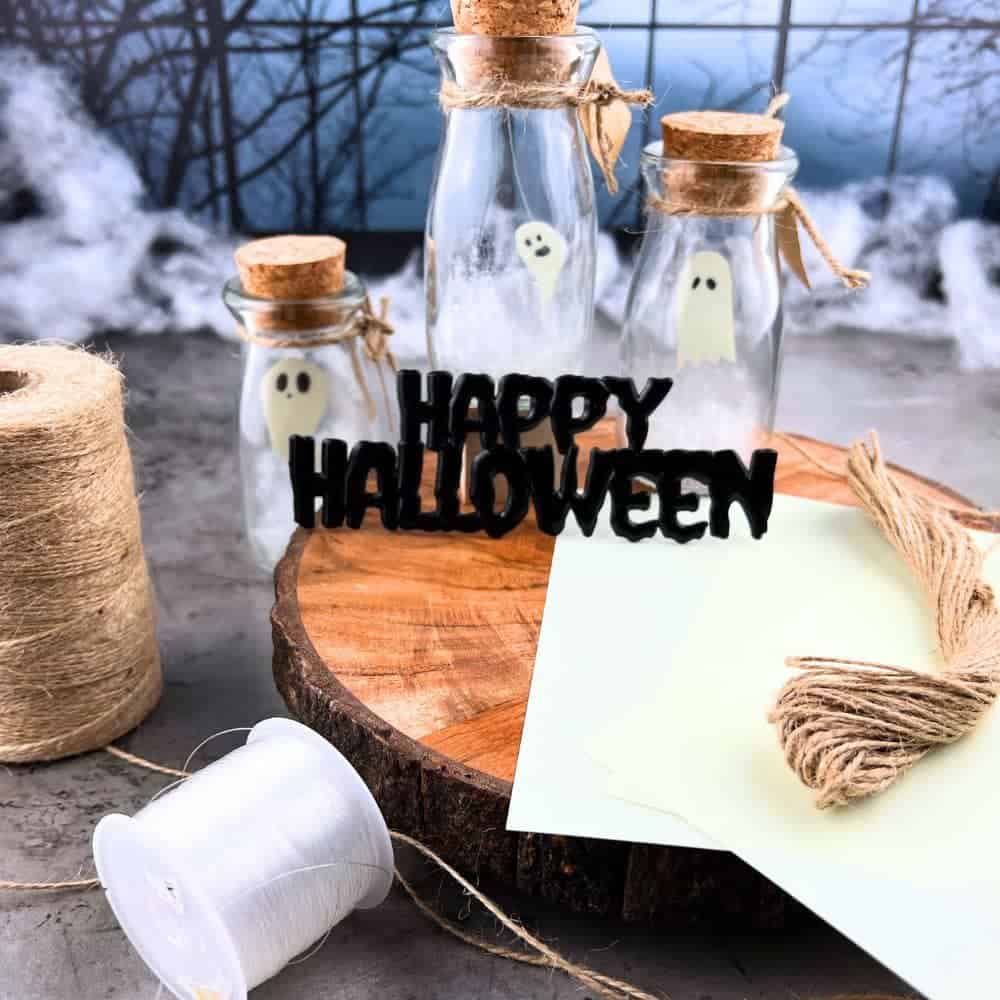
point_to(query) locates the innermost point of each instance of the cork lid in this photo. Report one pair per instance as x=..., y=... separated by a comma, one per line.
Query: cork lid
x=721, y=137
x=507, y=18
x=293, y=267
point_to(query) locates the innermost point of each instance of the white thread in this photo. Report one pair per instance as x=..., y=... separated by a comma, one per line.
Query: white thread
x=227, y=878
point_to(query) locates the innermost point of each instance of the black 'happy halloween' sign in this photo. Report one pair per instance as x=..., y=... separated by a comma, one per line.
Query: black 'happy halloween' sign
x=500, y=414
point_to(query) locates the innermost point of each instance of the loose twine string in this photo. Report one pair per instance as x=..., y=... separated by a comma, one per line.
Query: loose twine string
x=851, y=728
x=366, y=327
x=79, y=663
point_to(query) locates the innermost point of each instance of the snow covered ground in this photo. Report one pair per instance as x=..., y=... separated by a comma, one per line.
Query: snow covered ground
x=81, y=253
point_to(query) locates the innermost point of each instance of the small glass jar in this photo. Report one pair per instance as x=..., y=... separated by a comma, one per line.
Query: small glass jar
x=704, y=307
x=296, y=382
x=512, y=227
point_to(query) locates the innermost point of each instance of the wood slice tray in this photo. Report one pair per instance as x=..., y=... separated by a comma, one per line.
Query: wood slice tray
x=413, y=654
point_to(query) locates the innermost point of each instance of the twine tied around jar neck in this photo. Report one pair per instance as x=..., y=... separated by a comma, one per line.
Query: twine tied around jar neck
x=363, y=326
x=603, y=107
x=502, y=93
x=714, y=178
x=790, y=213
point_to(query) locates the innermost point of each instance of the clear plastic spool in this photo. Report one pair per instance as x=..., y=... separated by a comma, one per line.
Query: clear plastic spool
x=191, y=878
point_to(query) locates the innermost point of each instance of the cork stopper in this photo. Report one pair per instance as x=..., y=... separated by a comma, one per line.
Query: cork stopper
x=506, y=18
x=293, y=267
x=516, y=41
x=721, y=137
x=710, y=144
x=292, y=270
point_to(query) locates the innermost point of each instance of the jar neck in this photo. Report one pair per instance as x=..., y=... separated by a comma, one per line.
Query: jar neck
x=295, y=319
x=687, y=187
x=475, y=61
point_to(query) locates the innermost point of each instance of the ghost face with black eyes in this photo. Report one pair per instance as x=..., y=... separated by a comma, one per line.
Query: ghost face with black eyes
x=543, y=252
x=294, y=397
x=705, y=315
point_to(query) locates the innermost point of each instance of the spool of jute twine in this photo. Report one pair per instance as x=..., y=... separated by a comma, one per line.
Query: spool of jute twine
x=79, y=663
x=850, y=729
x=713, y=175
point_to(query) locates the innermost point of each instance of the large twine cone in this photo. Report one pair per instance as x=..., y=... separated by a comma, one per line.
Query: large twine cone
x=79, y=663
x=851, y=729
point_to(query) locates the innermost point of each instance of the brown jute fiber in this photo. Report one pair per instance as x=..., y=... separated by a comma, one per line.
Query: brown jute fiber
x=850, y=729
x=79, y=663
x=501, y=93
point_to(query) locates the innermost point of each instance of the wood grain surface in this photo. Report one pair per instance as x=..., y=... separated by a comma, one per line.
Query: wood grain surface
x=413, y=653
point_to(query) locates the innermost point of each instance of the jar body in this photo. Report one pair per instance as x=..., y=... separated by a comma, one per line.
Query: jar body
x=511, y=232
x=704, y=305
x=320, y=390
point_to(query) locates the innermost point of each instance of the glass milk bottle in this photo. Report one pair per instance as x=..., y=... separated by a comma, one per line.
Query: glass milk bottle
x=315, y=363
x=704, y=306
x=511, y=230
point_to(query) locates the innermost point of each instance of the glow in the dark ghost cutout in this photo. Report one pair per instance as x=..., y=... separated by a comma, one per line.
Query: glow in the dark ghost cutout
x=705, y=316
x=543, y=252
x=294, y=394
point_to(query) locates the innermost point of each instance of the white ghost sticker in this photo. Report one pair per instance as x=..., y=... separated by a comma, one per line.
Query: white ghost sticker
x=705, y=316
x=543, y=252
x=294, y=395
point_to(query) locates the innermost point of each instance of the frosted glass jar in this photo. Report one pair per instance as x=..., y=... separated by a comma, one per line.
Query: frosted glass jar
x=512, y=228
x=705, y=303
x=327, y=390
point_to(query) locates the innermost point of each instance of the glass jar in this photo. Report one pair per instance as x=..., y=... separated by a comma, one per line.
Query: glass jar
x=511, y=230
x=704, y=306
x=296, y=382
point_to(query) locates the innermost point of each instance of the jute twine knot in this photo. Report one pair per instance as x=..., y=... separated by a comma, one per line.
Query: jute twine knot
x=79, y=662
x=788, y=201
x=372, y=330
x=850, y=728
x=506, y=93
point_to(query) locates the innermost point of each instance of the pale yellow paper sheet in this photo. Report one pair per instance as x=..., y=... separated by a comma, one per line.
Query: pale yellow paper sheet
x=913, y=875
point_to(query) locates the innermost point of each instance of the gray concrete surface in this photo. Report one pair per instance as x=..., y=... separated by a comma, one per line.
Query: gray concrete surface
x=216, y=648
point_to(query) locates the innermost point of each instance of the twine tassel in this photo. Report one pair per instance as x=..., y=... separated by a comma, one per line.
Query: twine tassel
x=851, y=277
x=851, y=729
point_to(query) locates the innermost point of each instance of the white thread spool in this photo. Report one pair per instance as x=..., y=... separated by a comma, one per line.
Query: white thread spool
x=223, y=880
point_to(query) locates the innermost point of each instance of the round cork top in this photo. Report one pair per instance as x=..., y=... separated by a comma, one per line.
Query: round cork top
x=292, y=267
x=721, y=137
x=508, y=18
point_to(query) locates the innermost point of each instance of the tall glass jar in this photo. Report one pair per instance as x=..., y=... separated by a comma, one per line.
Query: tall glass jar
x=296, y=381
x=704, y=307
x=511, y=230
